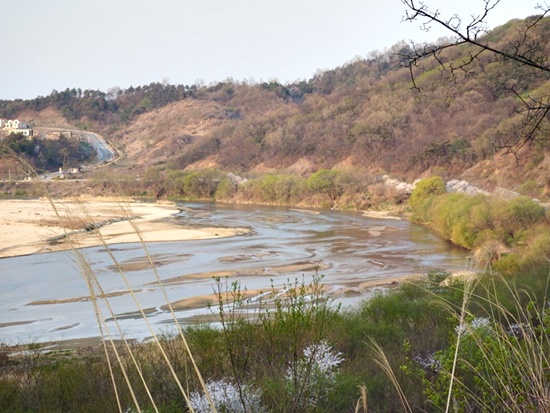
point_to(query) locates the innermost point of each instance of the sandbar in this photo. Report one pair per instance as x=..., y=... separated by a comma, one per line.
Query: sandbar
x=381, y=215
x=45, y=225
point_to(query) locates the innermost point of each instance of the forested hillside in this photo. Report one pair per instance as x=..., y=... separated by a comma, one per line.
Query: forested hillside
x=364, y=115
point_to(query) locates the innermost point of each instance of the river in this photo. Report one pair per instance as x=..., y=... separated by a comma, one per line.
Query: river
x=44, y=298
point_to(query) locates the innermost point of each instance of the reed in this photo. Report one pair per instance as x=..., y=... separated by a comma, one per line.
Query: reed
x=497, y=358
x=83, y=219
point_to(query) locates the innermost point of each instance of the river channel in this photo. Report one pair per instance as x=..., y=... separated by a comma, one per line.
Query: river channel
x=44, y=298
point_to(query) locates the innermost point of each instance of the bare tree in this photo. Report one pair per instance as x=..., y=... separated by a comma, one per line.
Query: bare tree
x=527, y=49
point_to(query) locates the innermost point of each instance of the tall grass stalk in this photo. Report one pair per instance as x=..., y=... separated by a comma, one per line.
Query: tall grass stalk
x=522, y=336
x=89, y=278
x=104, y=327
x=468, y=288
x=383, y=362
x=362, y=404
x=93, y=284
x=499, y=360
x=82, y=264
x=126, y=209
x=95, y=290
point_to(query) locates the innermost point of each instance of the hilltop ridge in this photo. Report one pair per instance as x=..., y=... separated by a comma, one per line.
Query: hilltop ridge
x=364, y=115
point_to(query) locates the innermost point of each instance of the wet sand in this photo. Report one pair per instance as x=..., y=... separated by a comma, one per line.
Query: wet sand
x=38, y=226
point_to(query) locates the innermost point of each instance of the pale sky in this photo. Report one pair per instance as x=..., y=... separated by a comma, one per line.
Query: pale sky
x=98, y=44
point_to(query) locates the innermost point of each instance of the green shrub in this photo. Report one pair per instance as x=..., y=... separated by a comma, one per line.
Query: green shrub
x=326, y=182
x=268, y=189
x=425, y=189
x=524, y=212
x=225, y=190
x=277, y=189
x=290, y=189
x=495, y=362
x=537, y=251
x=201, y=184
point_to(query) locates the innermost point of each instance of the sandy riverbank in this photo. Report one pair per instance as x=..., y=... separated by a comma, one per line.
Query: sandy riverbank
x=37, y=226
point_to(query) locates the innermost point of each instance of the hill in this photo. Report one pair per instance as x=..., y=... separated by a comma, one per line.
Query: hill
x=364, y=115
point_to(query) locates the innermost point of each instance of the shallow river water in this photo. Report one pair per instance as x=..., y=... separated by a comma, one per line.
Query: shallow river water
x=44, y=298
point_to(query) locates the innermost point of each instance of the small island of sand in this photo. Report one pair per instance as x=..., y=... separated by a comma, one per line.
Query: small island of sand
x=44, y=225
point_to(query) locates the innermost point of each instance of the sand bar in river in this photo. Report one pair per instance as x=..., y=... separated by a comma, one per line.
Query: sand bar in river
x=37, y=226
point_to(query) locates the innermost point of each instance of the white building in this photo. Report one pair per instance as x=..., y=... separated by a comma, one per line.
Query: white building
x=15, y=126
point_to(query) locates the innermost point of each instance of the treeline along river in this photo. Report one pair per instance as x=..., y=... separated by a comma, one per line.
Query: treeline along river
x=44, y=298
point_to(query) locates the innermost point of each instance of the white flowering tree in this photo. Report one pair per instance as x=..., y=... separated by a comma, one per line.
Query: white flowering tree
x=312, y=376
x=228, y=398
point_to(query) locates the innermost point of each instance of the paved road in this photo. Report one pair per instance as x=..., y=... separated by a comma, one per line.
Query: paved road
x=104, y=152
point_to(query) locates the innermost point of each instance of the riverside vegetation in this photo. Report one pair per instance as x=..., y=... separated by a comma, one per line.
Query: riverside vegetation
x=433, y=344
x=474, y=345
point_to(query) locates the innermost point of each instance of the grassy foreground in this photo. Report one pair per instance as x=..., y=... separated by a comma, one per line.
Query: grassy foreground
x=474, y=346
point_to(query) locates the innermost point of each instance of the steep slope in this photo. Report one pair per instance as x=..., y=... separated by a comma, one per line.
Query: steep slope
x=164, y=134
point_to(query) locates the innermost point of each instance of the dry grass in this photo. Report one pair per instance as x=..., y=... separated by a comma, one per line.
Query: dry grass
x=497, y=363
x=83, y=218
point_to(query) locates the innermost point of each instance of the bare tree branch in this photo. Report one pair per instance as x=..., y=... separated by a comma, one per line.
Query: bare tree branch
x=526, y=50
